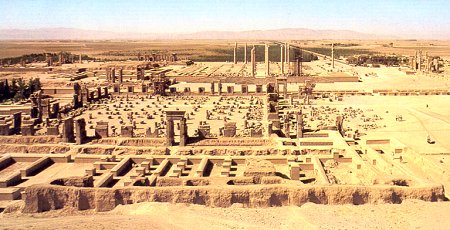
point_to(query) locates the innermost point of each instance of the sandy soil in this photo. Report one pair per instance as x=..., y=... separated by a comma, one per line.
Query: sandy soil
x=412, y=214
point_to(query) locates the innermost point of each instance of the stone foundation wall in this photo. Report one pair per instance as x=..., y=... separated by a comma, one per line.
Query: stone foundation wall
x=39, y=198
x=233, y=142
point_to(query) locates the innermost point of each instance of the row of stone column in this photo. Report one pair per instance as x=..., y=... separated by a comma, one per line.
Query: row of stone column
x=284, y=57
x=431, y=63
x=111, y=75
x=84, y=96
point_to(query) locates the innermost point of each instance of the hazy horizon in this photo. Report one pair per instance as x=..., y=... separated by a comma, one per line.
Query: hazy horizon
x=404, y=19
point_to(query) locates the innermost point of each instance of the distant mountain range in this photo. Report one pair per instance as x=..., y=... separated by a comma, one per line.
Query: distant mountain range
x=276, y=34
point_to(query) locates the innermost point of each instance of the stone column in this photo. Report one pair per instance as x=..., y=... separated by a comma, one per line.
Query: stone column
x=266, y=59
x=281, y=57
x=288, y=58
x=120, y=75
x=170, y=133
x=285, y=52
x=332, y=55
x=220, y=87
x=183, y=132
x=419, y=60
x=81, y=60
x=108, y=74
x=212, y=88
x=99, y=93
x=245, y=53
x=253, y=60
x=113, y=75
x=234, y=54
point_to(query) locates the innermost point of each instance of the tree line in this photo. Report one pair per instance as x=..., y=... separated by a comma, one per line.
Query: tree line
x=42, y=57
x=19, y=89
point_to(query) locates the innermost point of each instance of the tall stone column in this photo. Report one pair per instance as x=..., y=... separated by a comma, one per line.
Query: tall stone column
x=183, y=132
x=332, y=55
x=212, y=88
x=281, y=57
x=285, y=52
x=288, y=58
x=220, y=87
x=234, y=54
x=245, y=53
x=99, y=93
x=120, y=75
x=253, y=60
x=113, y=75
x=170, y=132
x=108, y=74
x=266, y=60
x=419, y=60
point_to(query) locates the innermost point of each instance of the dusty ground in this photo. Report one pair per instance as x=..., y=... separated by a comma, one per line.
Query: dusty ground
x=412, y=214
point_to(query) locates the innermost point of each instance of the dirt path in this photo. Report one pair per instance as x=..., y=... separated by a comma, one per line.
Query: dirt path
x=412, y=214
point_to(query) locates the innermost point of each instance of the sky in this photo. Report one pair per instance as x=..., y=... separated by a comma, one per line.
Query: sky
x=404, y=18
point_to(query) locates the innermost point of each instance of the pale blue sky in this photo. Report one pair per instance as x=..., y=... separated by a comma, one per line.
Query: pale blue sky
x=406, y=18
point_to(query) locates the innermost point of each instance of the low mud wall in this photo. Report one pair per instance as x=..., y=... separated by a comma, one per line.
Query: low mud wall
x=33, y=148
x=40, y=198
x=156, y=142
x=29, y=140
x=233, y=142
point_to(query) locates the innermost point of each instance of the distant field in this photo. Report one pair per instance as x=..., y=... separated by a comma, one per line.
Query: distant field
x=214, y=50
x=339, y=52
x=399, y=47
x=196, y=50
